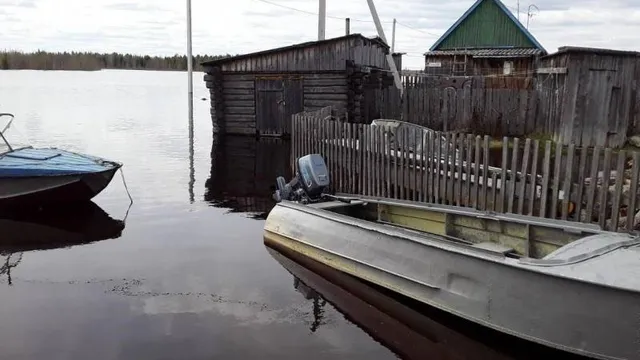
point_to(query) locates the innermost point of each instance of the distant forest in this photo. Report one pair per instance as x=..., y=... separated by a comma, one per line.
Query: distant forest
x=43, y=60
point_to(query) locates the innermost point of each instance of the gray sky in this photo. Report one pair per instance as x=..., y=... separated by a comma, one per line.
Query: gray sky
x=158, y=27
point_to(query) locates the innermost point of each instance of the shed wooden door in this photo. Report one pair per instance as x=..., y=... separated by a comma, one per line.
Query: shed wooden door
x=277, y=98
x=601, y=110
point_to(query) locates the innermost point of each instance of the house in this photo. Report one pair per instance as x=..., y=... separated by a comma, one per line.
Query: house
x=256, y=93
x=486, y=40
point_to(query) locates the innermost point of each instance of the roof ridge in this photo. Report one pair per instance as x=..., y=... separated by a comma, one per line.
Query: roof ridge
x=504, y=9
x=375, y=39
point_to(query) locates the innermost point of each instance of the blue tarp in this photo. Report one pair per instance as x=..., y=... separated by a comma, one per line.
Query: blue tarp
x=50, y=162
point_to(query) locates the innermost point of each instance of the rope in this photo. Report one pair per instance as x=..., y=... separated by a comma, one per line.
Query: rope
x=124, y=182
x=125, y=186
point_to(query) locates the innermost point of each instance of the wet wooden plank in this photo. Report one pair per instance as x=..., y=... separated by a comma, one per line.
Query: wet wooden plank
x=445, y=169
x=415, y=167
x=494, y=180
x=582, y=169
x=556, y=182
x=485, y=172
x=476, y=173
x=566, y=188
x=460, y=166
x=617, y=191
x=633, y=190
x=431, y=166
x=380, y=163
x=534, y=174
x=468, y=170
x=503, y=175
x=524, y=171
x=387, y=154
x=424, y=182
x=405, y=166
x=513, y=178
x=593, y=176
x=350, y=156
x=438, y=167
x=606, y=175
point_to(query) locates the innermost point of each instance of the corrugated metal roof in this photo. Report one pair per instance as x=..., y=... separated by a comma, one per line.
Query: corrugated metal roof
x=375, y=40
x=478, y=53
x=487, y=23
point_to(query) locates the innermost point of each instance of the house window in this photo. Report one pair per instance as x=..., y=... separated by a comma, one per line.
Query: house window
x=507, y=68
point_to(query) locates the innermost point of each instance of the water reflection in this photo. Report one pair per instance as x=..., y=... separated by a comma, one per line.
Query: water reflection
x=318, y=302
x=10, y=261
x=56, y=227
x=192, y=175
x=52, y=228
x=244, y=171
x=409, y=329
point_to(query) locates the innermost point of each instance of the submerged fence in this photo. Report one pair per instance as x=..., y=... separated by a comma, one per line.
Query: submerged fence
x=510, y=175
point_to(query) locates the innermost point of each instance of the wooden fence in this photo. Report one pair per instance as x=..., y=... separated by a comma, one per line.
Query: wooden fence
x=511, y=106
x=596, y=185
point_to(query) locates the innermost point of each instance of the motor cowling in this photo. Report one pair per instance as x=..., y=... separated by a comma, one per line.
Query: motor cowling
x=311, y=180
x=313, y=174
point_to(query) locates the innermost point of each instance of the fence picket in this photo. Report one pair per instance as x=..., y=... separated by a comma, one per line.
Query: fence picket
x=566, y=188
x=534, y=175
x=591, y=191
x=617, y=192
x=453, y=168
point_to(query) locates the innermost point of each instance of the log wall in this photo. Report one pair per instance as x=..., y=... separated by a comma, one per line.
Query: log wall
x=233, y=99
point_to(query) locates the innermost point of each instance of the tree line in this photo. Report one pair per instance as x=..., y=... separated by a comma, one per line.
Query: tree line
x=43, y=60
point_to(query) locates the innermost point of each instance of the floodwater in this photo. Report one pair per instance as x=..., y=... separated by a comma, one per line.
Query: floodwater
x=182, y=273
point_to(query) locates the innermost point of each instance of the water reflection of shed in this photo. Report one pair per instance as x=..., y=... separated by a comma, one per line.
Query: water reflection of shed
x=257, y=93
x=243, y=172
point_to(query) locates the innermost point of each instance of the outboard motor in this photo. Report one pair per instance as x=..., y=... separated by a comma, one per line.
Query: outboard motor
x=309, y=183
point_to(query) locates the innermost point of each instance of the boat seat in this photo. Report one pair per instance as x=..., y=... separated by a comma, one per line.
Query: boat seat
x=495, y=247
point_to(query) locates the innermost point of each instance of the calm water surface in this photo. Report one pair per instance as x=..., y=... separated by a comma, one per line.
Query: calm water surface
x=182, y=273
x=188, y=276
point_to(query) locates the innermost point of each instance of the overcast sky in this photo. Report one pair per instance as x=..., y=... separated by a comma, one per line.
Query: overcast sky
x=158, y=27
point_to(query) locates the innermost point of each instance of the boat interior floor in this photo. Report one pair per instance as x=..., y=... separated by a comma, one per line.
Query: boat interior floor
x=515, y=237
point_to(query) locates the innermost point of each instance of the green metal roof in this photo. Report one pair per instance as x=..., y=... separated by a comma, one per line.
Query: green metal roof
x=487, y=24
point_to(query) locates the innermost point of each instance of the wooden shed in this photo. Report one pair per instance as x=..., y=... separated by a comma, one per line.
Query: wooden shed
x=486, y=40
x=599, y=94
x=256, y=93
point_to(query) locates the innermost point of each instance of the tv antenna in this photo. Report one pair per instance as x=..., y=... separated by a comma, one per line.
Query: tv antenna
x=530, y=14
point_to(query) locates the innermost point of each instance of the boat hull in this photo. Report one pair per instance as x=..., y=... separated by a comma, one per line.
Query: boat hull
x=38, y=190
x=558, y=312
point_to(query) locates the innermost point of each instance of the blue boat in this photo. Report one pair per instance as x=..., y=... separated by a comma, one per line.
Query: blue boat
x=37, y=176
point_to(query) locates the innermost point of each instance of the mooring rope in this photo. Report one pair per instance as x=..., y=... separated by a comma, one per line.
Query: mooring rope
x=124, y=182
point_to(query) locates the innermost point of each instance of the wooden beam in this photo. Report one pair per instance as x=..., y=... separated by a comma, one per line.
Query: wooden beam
x=552, y=70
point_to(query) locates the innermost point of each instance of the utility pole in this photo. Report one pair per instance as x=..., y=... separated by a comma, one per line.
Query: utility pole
x=190, y=105
x=392, y=64
x=518, y=10
x=189, y=56
x=347, y=26
x=322, y=14
x=393, y=36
